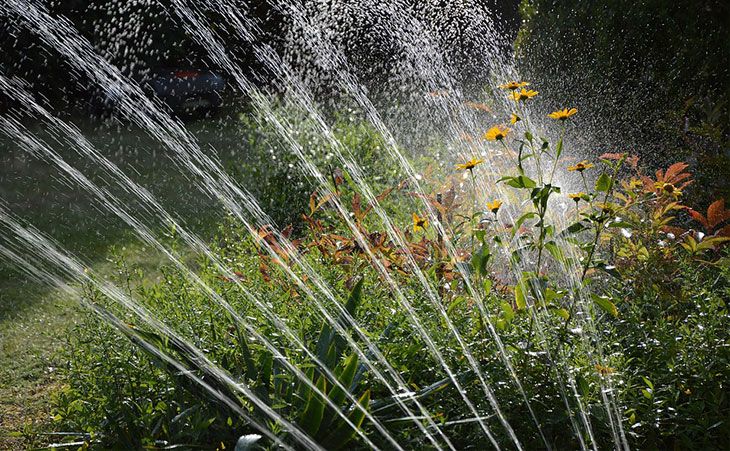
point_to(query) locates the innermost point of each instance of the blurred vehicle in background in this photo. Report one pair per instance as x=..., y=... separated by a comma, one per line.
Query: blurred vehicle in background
x=186, y=92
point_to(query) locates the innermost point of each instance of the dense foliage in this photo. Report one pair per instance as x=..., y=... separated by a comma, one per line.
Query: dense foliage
x=607, y=319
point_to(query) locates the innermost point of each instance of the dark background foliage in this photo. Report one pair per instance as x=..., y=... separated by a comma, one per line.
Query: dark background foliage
x=652, y=74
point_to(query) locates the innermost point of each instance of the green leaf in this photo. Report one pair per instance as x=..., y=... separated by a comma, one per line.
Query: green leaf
x=459, y=300
x=509, y=313
x=574, y=228
x=250, y=367
x=582, y=384
x=555, y=251
x=337, y=394
x=500, y=323
x=355, y=297
x=604, y=182
x=344, y=433
x=647, y=382
x=520, y=299
x=328, y=334
x=487, y=287
x=324, y=343
x=561, y=312
x=520, y=181
x=609, y=269
x=522, y=219
x=311, y=418
x=559, y=149
x=606, y=305
x=480, y=234
x=479, y=260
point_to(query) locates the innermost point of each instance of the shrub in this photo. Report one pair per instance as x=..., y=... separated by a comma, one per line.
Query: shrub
x=605, y=320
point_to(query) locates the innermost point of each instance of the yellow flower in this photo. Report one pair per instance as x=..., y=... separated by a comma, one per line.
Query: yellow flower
x=470, y=164
x=494, y=205
x=606, y=207
x=580, y=167
x=523, y=94
x=419, y=223
x=514, y=85
x=604, y=370
x=496, y=133
x=636, y=184
x=668, y=189
x=563, y=114
x=513, y=119
x=577, y=196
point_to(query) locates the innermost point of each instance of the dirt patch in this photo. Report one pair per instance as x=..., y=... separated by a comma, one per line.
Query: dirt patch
x=25, y=414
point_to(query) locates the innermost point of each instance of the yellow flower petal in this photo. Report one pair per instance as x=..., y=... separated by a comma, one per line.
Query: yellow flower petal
x=470, y=164
x=563, y=114
x=494, y=205
x=496, y=133
x=512, y=85
x=419, y=223
x=523, y=94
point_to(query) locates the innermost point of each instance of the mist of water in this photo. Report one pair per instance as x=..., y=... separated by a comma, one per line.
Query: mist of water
x=424, y=67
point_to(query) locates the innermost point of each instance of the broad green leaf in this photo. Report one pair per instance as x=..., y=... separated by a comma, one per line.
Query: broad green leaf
x=604, y=183
x=480, y=234
x=522, y=219
x=520, y=299
x=582, y=384
x=344, y=433
x=480, y=259
x=500, y=323
x=337, y=395
x=606, y=305
x=487, y=287
x=647, y=382
x=555, y=251
x=520, y=181
x=574, y=228
x=509, y=313
x=559, y=149
x=459, y=300
x=561, y=312
x=355, y=297
x=311, y=418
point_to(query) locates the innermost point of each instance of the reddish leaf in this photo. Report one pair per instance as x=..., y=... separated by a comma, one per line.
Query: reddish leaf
x=633, y=161
x=611, y=156
x=356, y=206
x=338, y=177
x=699, y=217
x=674, y=170
x=716, y=213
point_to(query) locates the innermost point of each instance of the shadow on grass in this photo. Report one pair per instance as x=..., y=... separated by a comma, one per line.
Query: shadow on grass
x=36, y=319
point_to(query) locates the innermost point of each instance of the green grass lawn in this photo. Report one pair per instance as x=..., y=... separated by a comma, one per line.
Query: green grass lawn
x=29, y=340
x=35, y=320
